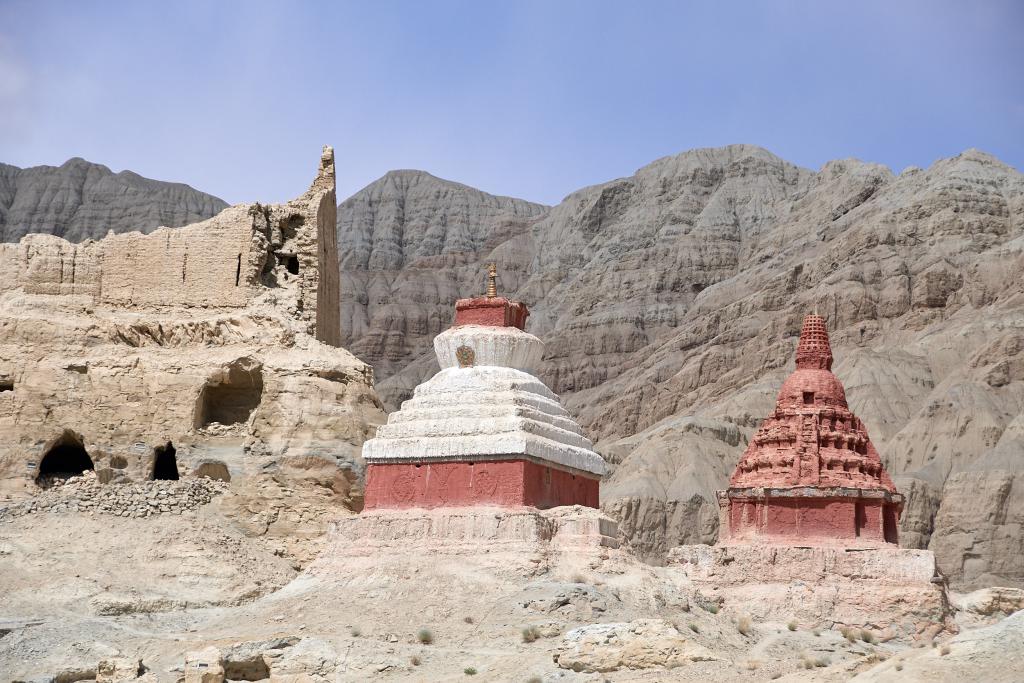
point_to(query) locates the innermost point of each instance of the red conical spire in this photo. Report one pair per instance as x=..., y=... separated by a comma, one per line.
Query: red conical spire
x=814, y=351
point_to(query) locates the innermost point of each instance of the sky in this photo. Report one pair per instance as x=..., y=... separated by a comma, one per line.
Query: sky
x=529, y=99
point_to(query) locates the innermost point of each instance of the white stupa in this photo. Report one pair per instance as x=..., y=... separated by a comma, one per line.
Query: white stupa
x=483, y=430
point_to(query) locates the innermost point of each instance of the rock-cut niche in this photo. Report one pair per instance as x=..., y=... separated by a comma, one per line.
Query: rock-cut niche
x=65, y=457
x=231, y=398
x=165, y=462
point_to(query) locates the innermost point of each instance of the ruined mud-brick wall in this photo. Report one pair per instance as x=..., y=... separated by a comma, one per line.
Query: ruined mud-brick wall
x=226, y=261
x=217, y=340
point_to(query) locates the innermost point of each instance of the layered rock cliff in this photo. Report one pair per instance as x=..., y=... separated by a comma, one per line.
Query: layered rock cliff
x=409, y=245
x=80, y=200
x=670, y=302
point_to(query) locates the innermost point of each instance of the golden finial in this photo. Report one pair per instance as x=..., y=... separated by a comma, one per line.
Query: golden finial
x=492, y=280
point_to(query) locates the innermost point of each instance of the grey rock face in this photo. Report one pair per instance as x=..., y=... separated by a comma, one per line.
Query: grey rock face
x=409, y=244
x=81, y=200
x=670, y=302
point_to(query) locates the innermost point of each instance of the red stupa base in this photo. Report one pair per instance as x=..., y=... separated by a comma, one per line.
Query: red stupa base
x=809, y=516
x=511, y=483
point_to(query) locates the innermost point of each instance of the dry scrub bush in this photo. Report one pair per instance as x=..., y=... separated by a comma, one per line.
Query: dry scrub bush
x=425, y=636
x=791, y=625
x=530, y=634
x=744, y=625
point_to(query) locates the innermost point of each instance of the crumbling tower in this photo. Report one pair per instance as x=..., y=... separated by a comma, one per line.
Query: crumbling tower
x=810, y=475
x=484, y=430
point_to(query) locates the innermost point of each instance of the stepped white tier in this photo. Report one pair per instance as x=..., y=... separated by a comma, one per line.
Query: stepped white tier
x=484, y=429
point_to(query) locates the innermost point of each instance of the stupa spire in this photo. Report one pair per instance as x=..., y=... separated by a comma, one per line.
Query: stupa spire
x=814, y=352
x=492, y=280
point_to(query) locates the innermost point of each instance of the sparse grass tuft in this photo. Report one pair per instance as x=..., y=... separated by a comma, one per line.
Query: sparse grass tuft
x=822, y=661
x=711, y=607
x=807, y=663
x=867, y=636
x=530, y=634
x=791, y=625
x=415, y=661
x=468, y=620
x=425, y=636
x=694, y=627
x=752, y=665
x=469, y=671
x=744, y=625
x=849, y=634
x=944, y=650
x=356, y=632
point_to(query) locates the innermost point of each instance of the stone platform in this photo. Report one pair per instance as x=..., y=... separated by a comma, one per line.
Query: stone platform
x=454, y=531
x=891, y=591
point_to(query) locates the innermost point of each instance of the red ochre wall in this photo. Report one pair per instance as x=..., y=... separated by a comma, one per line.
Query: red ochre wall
x=496, y=482
x=813, y=519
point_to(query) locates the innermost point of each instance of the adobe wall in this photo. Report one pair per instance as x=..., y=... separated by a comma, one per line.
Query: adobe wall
x=44, y=264
x=240, y=257
x=507, y=483
x=212, y=263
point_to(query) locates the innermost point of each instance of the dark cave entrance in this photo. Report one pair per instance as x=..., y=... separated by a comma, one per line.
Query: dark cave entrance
x=165, y=464
x=66, y=457
x=233, y=399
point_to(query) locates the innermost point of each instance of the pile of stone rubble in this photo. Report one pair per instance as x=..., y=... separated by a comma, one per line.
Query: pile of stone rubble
x=85, y=493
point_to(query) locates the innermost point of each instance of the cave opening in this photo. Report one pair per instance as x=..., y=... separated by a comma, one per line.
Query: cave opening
x=66, y=457
x=232, y=399
x=165, y=462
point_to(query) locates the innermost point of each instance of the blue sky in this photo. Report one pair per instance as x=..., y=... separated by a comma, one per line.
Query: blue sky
x=530, y=99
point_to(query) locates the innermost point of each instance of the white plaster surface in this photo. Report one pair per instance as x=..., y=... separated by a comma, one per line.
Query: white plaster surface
x=487, y=410
x=507, y=347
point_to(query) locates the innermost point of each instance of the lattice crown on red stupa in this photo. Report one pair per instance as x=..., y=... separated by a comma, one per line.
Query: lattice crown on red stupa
x=812, y=438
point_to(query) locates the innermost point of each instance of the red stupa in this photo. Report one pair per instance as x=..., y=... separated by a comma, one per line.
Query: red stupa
x=810, y=475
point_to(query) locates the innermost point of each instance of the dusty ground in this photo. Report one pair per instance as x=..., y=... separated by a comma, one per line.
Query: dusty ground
x=80, y=587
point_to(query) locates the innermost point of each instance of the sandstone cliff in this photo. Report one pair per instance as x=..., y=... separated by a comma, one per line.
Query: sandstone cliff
x=209, y=349
x=80, y=200
x=670, y=303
